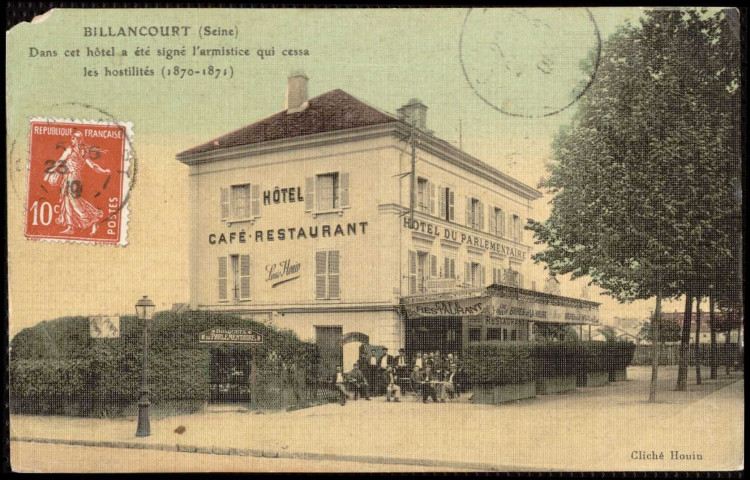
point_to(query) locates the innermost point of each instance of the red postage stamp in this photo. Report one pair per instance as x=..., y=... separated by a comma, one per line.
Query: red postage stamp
x=78, y=181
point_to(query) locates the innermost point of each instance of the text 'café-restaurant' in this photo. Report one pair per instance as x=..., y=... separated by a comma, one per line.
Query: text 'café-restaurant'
x=348, y=224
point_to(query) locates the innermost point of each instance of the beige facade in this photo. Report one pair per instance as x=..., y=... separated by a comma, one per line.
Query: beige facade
x=315, y=229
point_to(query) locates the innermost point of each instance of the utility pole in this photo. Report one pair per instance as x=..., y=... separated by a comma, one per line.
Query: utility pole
x=413, y=172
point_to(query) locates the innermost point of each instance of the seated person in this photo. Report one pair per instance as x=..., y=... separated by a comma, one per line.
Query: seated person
x=430, y=385
x=339, y=384
x=416, y=379
x=392, y=390
x=359, y=383
x=448, y=385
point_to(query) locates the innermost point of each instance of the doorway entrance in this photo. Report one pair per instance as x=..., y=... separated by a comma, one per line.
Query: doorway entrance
x=430, y=334
x=230, y=376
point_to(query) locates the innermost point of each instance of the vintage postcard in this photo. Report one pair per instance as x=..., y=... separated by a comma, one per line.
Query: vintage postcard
x=376, y=240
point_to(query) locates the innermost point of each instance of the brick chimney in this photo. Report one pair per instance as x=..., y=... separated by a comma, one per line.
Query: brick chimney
x=296, y=92
x=414, y=113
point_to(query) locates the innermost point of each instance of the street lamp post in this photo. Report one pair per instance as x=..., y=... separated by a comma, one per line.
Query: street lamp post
x=145, y=310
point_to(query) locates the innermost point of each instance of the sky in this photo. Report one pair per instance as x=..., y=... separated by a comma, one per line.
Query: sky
x=484, y=75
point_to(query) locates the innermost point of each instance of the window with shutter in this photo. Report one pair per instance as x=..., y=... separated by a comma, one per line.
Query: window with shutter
x=492, y=221
x=469, y=212
x=334, y=274
x=442, y=203
x=309, y=194
x=412, y=272
x=321, y=264
x=344, y=190
x=432, y=198
x=244, y=277
x=451, y=205
x=241, y=201
x=223, y=278
x=224, y=203
x=467, y=273
x=480, y=223
x=256, y=201
x=327, y=275
x=482, y=276
x=433, y=266
x=500, y=222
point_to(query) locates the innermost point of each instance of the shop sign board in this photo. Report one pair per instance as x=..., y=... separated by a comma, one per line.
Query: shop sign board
x=543, y=312
x=104, y=327
x=230, y=335
x=449, y=307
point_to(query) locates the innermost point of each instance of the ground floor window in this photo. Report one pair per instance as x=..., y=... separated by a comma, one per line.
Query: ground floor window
x=428, y=335
x=475, y=334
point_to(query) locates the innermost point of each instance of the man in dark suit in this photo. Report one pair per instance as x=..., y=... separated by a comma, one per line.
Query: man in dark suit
x=428, y=385
x=401, y=367
x=359, y=383
x=384, y=362
x=371, y=370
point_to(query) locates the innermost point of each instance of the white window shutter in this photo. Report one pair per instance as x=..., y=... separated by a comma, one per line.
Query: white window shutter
x=224, y=203
x=481, y=216
x=482, y=277
x=493, y=221
x=469, y=216
x=256, y=200
x=309, y=194
x=467, y=273
x=321, y=262
x=334, y=274
x=344, y=189
x=441, y=202
x=412, y=272
x=222, y=278
x=451, y=205
x=432, y=198
x=501, y=223
x=244, y=277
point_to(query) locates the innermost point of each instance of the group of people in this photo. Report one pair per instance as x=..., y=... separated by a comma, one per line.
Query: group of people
x=430, y=374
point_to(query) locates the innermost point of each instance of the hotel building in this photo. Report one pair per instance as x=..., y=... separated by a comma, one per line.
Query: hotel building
x=345, y=223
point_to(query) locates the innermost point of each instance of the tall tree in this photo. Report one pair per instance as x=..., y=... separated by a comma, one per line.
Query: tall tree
x=645, y=149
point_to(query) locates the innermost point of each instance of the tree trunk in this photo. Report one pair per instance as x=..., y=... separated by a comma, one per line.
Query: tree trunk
x=728, y=355
x=698, y=339
x=712, y=320
x=655, y=326
x=685, y=344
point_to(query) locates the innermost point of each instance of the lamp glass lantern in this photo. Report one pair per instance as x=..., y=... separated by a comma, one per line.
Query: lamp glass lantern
x=145, y=308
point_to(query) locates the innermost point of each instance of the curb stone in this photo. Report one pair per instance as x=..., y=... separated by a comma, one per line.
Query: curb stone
x=242, y=452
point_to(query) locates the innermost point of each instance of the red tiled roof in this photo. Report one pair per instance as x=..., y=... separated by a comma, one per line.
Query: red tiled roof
x=331, y=111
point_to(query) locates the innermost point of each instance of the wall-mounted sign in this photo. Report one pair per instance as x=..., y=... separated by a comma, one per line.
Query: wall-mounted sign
x=230, y=335
x=292, y=233
x=455, y=307
x=104, y=327
x=439, y=231
x=282, y=272
x=520, y=309
x=283, y=195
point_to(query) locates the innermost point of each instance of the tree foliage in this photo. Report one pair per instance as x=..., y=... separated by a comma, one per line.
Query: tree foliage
x=645, y=179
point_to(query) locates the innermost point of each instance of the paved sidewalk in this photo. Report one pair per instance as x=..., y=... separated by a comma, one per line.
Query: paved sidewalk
x=590, y=429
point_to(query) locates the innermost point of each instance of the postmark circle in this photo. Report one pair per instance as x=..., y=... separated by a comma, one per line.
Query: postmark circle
x=529, y=62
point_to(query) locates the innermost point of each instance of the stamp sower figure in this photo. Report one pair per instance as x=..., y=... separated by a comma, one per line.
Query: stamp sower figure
x=359, y=383
x=392, y=390
x=339, y=384
x=75, y=211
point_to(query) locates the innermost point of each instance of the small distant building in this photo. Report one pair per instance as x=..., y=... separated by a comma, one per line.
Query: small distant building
x=723, y=323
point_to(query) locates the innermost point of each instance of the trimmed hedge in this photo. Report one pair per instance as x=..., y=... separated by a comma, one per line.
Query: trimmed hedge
x=56, y=368
x=498, y=363
x=503, y=363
